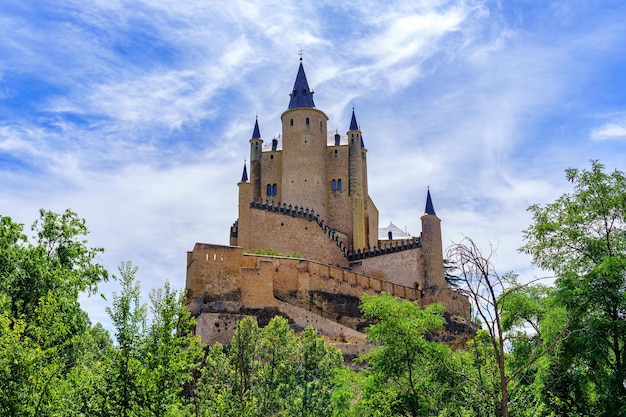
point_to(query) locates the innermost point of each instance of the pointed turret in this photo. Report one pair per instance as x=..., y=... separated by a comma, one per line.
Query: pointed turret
x=432, y=249
x=244, y=176
x=301, y=95
x=430, y=209
x=353, y=124
x=256, y=134
x=256, y=147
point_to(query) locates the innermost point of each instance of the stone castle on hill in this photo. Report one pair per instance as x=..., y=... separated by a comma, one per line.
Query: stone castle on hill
x=307, y=194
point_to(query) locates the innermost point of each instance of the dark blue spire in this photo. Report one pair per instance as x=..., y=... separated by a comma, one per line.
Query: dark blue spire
x=256, y=134
x=301, y=96
x=429, y=205
x=244, y=176
x=353, y=124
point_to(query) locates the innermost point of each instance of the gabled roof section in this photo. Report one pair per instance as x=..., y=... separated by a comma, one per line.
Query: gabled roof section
x=301, y=95
x=353, y=124
x=256, y=134
x=244, y=176
x=430, y=209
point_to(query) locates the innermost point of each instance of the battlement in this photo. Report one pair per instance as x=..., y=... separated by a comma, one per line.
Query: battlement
x=334, y=236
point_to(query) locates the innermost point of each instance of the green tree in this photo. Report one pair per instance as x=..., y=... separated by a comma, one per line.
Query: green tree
x=268, y=372
x=582, y=238
x=151, y=363
x=407, y=375
x=504, y=352
x=45, y=337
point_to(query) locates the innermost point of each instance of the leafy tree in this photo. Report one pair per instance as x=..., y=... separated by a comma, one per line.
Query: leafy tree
x=504, y=308
x=407, y=376
x=582, y=238
x=150, y=364
x=44, y=334
x=268, y=372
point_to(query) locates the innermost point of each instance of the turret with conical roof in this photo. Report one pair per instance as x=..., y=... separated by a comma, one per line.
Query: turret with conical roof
x=256, y=147
x=432, y=248
x=304, y=174
x=358, y=189
x=244, y=175
x=301, y=95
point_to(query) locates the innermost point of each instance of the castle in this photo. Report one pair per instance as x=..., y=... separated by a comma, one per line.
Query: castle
x=307, y=194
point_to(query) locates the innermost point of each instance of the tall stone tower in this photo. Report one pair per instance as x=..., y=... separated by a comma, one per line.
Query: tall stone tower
x=304, y=130
x=432, y=257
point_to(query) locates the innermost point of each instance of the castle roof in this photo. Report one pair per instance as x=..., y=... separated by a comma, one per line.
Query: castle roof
x=430, y=209
x=301, y=95
x=244, y=176
x=256, y=134
x=396, y=232
x=353, y=124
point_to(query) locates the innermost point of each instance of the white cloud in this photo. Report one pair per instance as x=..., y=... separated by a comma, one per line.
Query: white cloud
x=609, y=131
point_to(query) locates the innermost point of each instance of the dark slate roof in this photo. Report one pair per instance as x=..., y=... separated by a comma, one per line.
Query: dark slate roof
x=244, y=176
x=255, y=133
x=353, y=124
x=429, y=205
x=301, y=95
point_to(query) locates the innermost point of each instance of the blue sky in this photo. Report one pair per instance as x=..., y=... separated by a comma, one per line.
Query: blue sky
x=137, y=114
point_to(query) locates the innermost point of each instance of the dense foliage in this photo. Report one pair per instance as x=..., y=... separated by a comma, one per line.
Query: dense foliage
x=557, y=350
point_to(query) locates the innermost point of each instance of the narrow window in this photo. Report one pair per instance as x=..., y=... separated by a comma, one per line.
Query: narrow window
x=334, y=185
x=274, y=190
x=290, y=122
x=271, y=156
x=307, y=121
x=269, y=189
x=339, y=184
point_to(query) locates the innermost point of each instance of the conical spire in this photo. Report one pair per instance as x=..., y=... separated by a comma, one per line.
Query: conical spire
x=301, y=95
x=244, y=176
x=430, y=209
x=353, y=124
x=256, y=134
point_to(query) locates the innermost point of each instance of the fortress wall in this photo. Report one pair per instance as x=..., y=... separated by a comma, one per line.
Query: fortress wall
x=455, y=303
x=257, y=285
x=401, y=267
x=217, y=327
x=285, y=234
x=214, y=275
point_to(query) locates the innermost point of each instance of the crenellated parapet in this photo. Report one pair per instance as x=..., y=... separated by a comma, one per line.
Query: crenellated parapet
x=335, y=236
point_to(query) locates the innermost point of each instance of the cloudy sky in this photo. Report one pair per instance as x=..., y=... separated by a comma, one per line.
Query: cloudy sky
x=136, y=114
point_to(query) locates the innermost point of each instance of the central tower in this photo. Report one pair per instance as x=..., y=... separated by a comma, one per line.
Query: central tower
x=304, y=134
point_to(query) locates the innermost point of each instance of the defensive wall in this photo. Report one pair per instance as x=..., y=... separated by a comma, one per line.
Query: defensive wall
x=225, y=284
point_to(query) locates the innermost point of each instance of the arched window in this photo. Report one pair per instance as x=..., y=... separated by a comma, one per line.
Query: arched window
x=269, y=189
x=290, y=122
x=334, y=185
x=339, y=184
x=274, y=190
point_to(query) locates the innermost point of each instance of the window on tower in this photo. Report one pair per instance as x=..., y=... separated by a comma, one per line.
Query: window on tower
x=307, y=121
x=339, y=184
x=274, y=189
x=334, y=186
x=269, y=189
